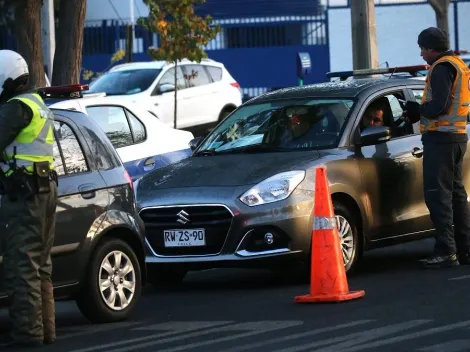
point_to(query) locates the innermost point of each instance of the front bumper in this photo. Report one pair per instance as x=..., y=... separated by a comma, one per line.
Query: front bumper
x=236, y=233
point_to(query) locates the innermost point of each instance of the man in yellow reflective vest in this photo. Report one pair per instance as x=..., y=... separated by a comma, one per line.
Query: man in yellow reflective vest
x=28, y=191
x=443, y=115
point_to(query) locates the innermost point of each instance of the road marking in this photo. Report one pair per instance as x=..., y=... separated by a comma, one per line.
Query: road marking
x=450, y=346
x=94, y=329
x=460, y=278
x=410, y=336
x=345, y=341
x=298, y=336
x=256, y=328
x=171, y=328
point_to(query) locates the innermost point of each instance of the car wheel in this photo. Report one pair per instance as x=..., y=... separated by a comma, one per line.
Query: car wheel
x=349, y=237
x=113, y=283
x=159, y=275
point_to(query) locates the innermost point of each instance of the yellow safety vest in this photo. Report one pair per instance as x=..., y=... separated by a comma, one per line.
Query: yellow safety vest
x=35, y=142
x=453, y=120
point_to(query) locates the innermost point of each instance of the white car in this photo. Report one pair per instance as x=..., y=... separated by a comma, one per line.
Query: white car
x=143, y=142
x=206, y=93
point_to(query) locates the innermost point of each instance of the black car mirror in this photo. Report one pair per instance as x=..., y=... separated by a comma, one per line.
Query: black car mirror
x=194, y=143
x=375, y=135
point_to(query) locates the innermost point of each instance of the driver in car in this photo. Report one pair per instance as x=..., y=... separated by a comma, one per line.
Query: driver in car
x=374, y=115
x=297, y=133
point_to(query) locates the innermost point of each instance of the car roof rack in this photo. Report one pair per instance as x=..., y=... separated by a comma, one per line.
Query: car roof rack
x=72, y=91
x=411, y=70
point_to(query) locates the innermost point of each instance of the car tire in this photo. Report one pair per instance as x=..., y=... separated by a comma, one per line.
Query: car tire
x=162, y=275
x=91, y=300
x=348, y=232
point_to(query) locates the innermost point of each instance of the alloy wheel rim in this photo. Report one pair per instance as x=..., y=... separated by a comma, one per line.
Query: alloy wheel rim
x=346, y=238
x=117, y=280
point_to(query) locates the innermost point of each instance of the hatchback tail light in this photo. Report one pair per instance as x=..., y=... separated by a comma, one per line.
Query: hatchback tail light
x=128, y=179
x=235, y=84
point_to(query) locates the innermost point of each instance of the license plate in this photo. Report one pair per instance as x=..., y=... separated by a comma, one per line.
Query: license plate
x=185, y=238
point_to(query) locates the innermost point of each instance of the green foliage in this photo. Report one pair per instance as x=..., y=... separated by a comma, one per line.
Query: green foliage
x=182, y=33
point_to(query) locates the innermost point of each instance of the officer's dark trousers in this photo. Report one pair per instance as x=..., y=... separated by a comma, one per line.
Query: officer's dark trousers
x=27, y=233
x=445, y=196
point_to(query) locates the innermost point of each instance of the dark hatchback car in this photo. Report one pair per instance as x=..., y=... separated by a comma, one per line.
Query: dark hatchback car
x=98, y=252
x=245, y=196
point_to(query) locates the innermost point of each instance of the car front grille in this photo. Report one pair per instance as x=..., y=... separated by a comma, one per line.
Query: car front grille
x=214, y=219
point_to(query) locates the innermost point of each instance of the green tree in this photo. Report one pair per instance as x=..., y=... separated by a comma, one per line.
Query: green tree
x=182, y=33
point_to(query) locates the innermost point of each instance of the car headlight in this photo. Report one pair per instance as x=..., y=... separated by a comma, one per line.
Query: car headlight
x=273, y=189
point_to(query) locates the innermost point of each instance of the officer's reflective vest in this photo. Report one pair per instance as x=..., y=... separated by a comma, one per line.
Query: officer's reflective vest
x=453, y=120
x=35, y=142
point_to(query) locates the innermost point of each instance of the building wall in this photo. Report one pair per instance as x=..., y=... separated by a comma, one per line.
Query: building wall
x=397, y=27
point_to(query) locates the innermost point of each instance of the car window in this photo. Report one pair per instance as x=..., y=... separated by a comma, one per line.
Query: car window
x=215, y=73
x=113, y=121
x=124, y=82
x=387, y=110
x=138, y=128
x=418, y=93
x=69, y=157
x=169, y=78
x=195, y=75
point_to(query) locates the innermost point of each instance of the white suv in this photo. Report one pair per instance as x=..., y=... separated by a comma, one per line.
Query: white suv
x=207, y=92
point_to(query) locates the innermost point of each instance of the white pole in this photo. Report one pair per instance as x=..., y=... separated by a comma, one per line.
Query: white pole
x=48, y=35
x=131, y=4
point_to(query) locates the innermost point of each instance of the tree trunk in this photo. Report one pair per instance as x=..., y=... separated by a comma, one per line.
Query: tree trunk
x=441, y=8
x=69, y=44
x=27, y=30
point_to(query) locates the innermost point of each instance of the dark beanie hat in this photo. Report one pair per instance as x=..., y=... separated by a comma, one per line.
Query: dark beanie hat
x=434, y=38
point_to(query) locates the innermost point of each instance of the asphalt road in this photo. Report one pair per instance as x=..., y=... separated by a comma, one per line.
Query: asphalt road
x=405, y=309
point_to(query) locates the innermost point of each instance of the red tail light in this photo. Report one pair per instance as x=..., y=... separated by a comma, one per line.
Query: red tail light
x=128, y=179
x=235, y=84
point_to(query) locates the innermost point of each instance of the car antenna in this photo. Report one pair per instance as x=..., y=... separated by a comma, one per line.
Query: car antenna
x=392, y=73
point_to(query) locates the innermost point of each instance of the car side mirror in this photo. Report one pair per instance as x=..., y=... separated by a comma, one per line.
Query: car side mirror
x=167, y=87
x=194, y=143
x=375, y=135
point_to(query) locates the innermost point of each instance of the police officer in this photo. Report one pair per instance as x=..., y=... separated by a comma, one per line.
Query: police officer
x=28, y=204
x=443, y=117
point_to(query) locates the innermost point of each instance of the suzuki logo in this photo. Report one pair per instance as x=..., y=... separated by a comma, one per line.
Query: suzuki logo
x=183, y=217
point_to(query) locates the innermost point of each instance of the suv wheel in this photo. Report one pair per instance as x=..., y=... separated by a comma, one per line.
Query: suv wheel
x=113, y=284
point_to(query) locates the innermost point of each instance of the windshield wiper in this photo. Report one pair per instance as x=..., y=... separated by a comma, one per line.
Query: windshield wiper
x=254, y=149
x=205, y=152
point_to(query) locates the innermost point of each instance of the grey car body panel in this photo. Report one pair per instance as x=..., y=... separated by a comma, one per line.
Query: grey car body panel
x=91, y=205
x=380, y=184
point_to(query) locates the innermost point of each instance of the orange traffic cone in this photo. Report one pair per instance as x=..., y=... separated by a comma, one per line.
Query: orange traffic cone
x=328, y=281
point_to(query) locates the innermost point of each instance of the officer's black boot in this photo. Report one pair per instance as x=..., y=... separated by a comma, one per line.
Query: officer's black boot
x=464, y=258
x=440, y=261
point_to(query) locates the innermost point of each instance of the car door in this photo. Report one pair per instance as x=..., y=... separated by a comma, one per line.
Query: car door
x=198, y=107
x=392, y=175
x=82, y=198
x=164, y=99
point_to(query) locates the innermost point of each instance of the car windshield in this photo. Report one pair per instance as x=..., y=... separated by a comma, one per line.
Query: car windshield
x=284, y=125
x=124, y=82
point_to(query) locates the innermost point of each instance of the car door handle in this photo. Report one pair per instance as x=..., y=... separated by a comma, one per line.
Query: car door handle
x=149, y=163
x=417, y=152
x=87, y=191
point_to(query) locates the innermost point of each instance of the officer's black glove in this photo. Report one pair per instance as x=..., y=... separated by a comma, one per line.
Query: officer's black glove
x=412, y=109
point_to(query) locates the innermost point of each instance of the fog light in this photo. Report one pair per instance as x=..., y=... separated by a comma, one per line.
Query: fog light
x=268, y=238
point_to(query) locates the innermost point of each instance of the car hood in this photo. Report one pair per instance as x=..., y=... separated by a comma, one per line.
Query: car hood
x=223, y=170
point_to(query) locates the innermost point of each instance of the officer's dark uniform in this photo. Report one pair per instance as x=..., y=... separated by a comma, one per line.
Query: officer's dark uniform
x=443, y=118
x=27, y=215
